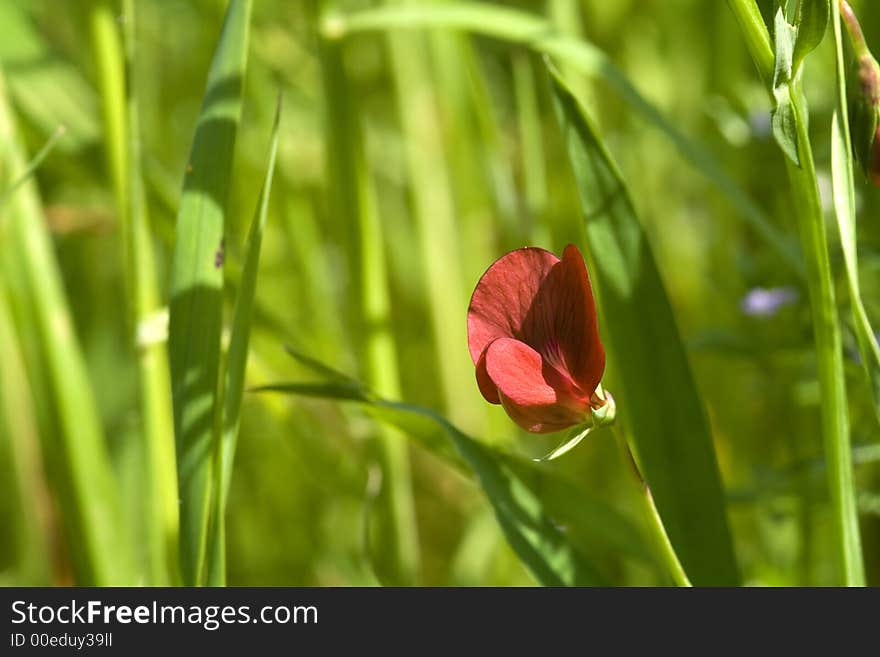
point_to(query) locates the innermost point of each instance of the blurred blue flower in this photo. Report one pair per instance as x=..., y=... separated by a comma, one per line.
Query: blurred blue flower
x=761, y=302
x=760, y=124
x=852, y=350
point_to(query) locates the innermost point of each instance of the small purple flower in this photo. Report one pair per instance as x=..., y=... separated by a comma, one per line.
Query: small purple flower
x=759, y=122
x=761, y=302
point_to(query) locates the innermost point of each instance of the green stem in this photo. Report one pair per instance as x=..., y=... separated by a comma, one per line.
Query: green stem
x=752, y=26
x=155, y=378
x=834, y=411
x=110, y=63
x=662, y=545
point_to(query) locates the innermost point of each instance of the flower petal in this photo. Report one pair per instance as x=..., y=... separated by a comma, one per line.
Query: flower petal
x=488, y=389
x=561, y=323
x=504, y=296
x=534, y=394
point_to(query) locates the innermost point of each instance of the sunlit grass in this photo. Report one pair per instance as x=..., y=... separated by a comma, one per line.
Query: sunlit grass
x=420, y=141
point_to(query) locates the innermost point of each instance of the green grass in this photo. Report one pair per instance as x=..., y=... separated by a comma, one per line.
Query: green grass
x=167, y=243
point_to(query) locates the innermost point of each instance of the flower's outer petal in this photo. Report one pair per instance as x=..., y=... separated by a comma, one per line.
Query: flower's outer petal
x=536, y=396
x=504, y=295
x=562, y=326
x=487, y=388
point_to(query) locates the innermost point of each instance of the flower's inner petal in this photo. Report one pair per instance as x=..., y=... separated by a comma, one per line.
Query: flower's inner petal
x=561, y=323
x=535, y=395
x=487, y=388
x=504, y=295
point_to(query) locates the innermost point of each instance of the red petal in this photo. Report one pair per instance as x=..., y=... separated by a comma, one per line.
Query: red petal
x=487, y=388
x=534, y=394
x=504, y=296
x=561, y=324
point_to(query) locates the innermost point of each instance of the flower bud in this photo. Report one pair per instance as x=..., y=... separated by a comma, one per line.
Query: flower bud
x=864, y=99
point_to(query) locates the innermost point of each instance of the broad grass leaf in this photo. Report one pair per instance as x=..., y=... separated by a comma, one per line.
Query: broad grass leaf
x=197, y=288
x=547, y=519
x=659, y=402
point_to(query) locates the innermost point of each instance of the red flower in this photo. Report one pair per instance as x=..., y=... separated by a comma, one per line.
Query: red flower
x=533, y=337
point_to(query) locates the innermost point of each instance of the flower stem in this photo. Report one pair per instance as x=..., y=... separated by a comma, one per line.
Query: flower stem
x=834, y=411
x=829, y=352
x=662, y=545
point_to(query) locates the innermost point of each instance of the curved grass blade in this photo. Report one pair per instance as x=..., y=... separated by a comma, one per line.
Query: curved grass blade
x=33, y=165
x=530, y=501
x=566, y=501
x=195, y=313
x=236, y=363
x=843, y=187
x=541, y=546
x=660, y=401
x=537, y=34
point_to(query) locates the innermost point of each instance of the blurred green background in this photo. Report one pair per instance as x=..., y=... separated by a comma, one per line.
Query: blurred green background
x=466, y=162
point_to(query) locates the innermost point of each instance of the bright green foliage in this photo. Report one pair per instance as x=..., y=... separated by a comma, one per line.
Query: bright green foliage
x=419, y=142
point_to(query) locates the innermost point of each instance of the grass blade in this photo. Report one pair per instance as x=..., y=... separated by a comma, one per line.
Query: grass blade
x=543, y=548
x=843, y=186
x=536, y=33
x=659, y=400
x=236, y=362
x=197, y=284
x=397, y=558
x=102, y=557
x=110, y=63
x=34, y=164
x=843, y=183
x=588, y=522
x=155, y=383
x=19, y=434
x=435, y=217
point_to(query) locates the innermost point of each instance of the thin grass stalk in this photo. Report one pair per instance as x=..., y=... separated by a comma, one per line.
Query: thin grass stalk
x=535, y=33
x=434, y=213
x=102, y=554
x=533, y=159
x=350, y=175
x=148, y=317
x=19, y=431
x=110, y=62
x=833, y=409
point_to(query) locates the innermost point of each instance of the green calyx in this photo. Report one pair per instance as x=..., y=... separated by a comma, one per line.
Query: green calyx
x=603, y=413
